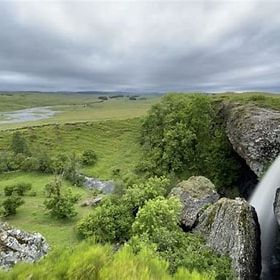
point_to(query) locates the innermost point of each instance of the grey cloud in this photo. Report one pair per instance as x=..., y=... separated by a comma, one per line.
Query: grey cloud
x=150, y=46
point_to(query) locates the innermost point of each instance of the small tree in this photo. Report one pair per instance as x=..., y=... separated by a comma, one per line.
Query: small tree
x=89, y=157
x=60, y=204
x=10, y=205
x=72, y=171
x=19, y=145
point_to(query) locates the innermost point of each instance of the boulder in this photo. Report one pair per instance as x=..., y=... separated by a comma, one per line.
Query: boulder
x=231, y=228
x=20, y=246
x=91, y=202
x=254, y=134
x=276, y=206
x=195, y=194
x=95, y=184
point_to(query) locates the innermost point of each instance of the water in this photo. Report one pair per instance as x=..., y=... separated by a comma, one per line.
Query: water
x=262, y=199
x=25, y=115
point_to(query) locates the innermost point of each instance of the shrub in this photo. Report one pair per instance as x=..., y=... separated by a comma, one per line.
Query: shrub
x=72, y=171
x=112, y=220
x=10, y=205
x=59, y=162
x=156, y=226
x=20, y=189
x=30, y=164
x=60, y=204
x=89, y=157
x=19, y=144
x=183, y=135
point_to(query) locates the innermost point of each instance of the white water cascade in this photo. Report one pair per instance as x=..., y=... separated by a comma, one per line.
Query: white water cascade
x=262, y=199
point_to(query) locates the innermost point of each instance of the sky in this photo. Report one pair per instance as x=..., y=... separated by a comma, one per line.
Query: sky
x=140, y=46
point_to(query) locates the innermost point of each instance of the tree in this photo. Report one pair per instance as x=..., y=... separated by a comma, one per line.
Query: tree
x=19, y=144
x=10, y=205
x=89, y=157
x=61, y=204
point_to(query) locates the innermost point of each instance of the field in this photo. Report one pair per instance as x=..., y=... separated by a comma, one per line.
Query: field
x=110, y=128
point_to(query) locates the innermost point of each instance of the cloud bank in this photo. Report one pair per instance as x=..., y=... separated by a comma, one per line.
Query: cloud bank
x=140, y=46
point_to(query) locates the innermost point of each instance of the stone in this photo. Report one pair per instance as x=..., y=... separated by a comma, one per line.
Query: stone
x=276, y=206
x=95, y=184
x=254, y=133
x=231, y=228
x=195, y=194
x=20, y=246
x=91, y=202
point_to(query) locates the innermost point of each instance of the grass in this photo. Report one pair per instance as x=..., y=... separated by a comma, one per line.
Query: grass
x=75, y=108
x=32, y=215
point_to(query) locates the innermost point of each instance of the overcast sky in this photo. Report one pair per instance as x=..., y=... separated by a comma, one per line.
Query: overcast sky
x=140, y=46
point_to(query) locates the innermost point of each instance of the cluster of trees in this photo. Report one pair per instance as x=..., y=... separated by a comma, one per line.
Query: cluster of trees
x=21, y=157
x=13, y=198
x=99, y=262
x=142, y=217
x=183, y=136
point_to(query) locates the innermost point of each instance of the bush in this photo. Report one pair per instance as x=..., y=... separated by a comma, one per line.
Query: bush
x=72, y=171
x=19, y=144
x=112, y=220
x=10, y=205
x=156, y=226
x=59, y=162
x=96, y=262
x=183, y=135
x=60, y=204
x=89, y=157
x=30, y=164
x=20, y=189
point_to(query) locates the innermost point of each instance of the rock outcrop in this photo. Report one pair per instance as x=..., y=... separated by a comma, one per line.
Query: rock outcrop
x=195, y=194
x=254, y=133
x=231, y=228
x=102, y=186
x=276, y=206
x=20, y=246
x=92, y=202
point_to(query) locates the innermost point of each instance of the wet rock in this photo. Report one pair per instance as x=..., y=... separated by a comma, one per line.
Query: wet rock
x=195, y=194
x=91, y=202
x=95, y=184
x=231, y=228
x=254, y=134
x=276, y=206
x=20, y=246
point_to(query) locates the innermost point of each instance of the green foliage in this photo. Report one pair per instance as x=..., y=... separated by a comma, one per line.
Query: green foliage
x=10, y=205
x=156, y=226
x=19, y=189
x=112, y=220
x=89, y=157
x=19, y=144
x=96, y=262
x=72, y=172
x=61, y=205
x=182, y=136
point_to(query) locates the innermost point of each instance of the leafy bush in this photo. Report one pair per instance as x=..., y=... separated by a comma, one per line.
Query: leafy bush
x=20, y=189
x=19, y=144
x=183, y=135
x=10, y=205
x=71, y=171
x=112, y=220
x=156, y=226
x=89, y=157
x=96, y=262
x=60, y=204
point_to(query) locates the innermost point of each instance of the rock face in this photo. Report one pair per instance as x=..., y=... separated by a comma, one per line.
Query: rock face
x=231, y=228
x=103, y=186
x=19, y=246
x=276, y=206
x=254, y=134
x=195, y=194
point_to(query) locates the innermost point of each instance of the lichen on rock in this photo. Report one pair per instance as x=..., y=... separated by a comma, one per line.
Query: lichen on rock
x=231, y=228
x=195, y=194
x=20, y=246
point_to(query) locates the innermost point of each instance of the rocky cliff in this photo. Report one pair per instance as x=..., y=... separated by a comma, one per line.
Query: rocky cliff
x=20, y=246
x=254, y=133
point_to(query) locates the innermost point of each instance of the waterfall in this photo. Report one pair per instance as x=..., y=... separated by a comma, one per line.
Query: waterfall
x=262, y=199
